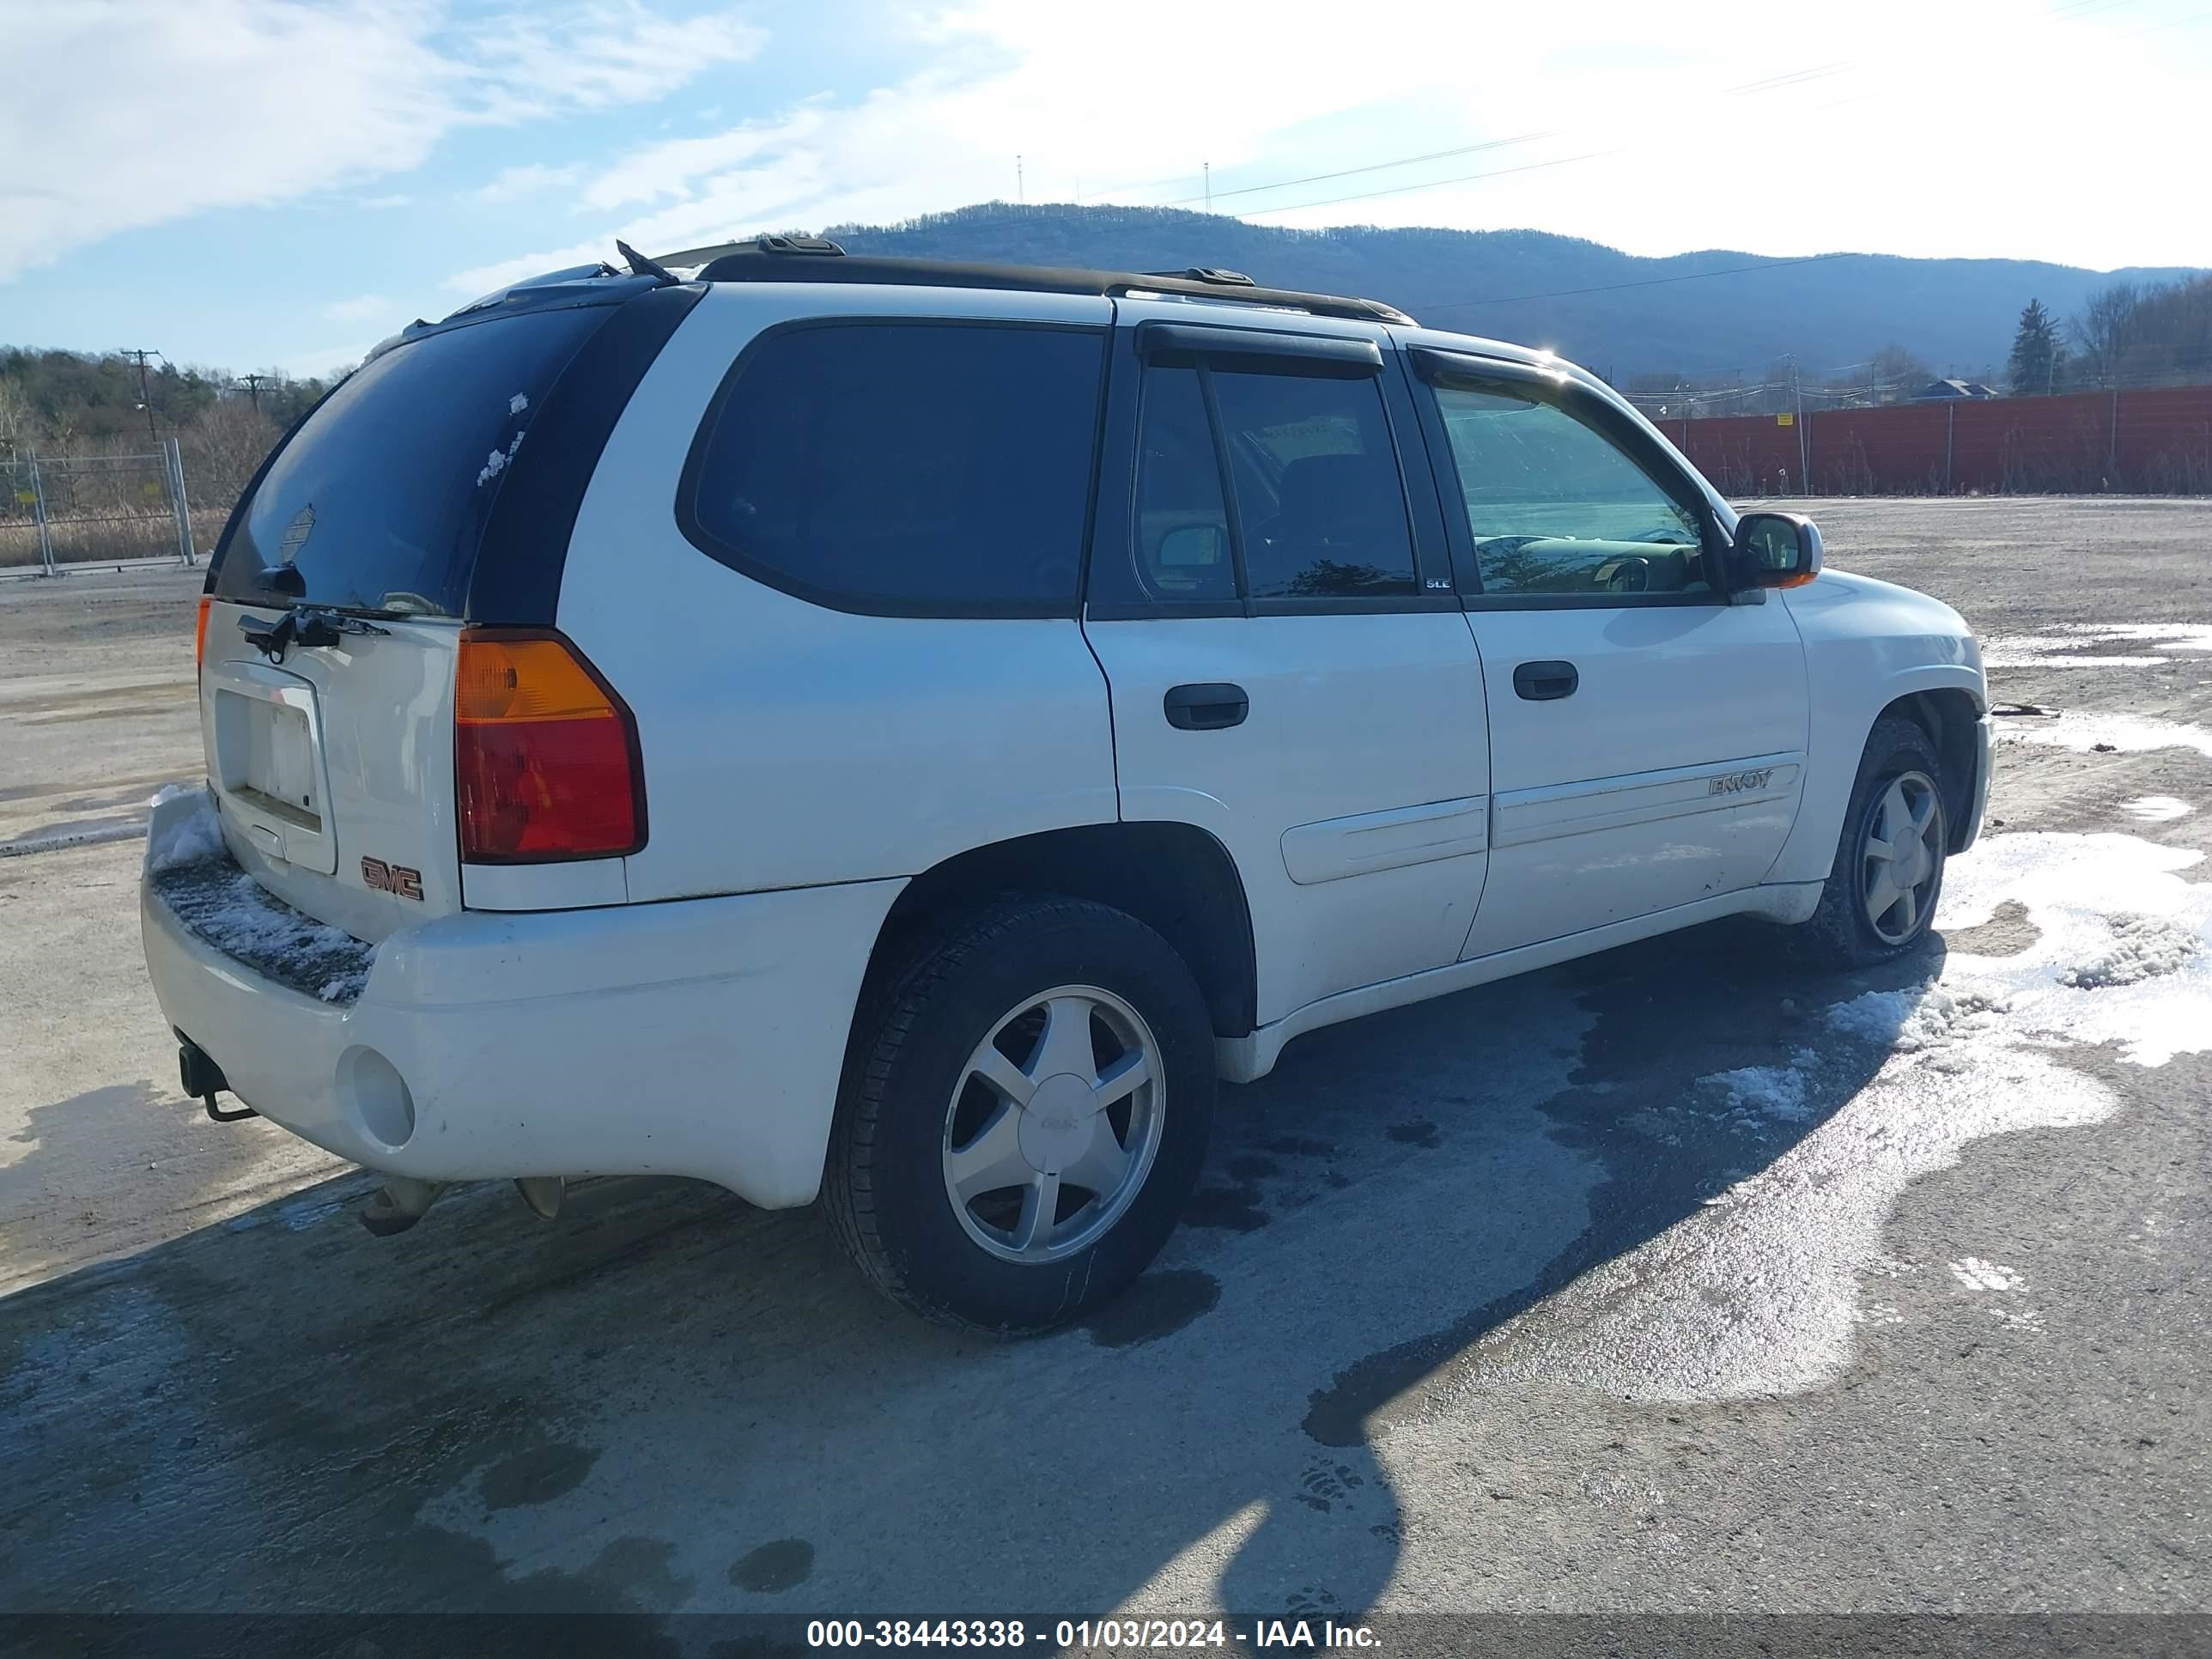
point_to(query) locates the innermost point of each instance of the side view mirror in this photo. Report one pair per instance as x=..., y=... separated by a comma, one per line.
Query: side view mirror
x=1777, y=549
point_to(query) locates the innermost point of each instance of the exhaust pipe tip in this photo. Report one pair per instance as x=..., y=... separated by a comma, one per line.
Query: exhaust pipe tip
x=541, y=1194
x=399, y=1205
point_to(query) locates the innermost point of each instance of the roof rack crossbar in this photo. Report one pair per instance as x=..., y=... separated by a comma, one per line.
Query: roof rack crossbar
x=758, y=262
x=1209, y=273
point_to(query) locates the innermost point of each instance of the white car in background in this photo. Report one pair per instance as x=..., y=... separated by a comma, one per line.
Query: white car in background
x=900, y=733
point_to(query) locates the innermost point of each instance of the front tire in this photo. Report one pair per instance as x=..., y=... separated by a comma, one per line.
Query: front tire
x=1881, y=894
x=1025, y=1112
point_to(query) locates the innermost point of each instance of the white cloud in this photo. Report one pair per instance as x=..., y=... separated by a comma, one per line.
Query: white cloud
x=532, y=178
x=1661, y=130
x=597, y=55
x=366, y=308
x=246, y=102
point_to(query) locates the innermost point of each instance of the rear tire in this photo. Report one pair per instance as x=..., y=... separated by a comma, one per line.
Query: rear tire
x=1881, y=894
x=1025, y=1111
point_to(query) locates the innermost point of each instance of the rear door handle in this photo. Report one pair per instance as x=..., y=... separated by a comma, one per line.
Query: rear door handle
x=1214, y=705
x=1542, y=682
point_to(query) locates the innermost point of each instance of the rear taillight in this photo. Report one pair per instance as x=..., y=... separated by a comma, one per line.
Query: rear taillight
x=199, y=634
x=545, y=754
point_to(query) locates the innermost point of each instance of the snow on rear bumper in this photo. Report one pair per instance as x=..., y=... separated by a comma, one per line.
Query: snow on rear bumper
x=698, y=1037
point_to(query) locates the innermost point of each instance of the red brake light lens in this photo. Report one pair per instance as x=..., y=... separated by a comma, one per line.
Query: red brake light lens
x=199, y=634
x=545, y=755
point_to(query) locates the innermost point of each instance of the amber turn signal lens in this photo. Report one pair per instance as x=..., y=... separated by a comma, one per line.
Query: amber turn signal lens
x=545, y=755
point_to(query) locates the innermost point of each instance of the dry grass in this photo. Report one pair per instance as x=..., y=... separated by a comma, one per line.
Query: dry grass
x=151, y=536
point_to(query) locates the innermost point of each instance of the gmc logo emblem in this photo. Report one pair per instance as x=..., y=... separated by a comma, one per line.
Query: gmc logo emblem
x=382, y=877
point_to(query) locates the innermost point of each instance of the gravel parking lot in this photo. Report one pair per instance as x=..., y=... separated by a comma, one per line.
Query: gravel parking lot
x=1676, y=1279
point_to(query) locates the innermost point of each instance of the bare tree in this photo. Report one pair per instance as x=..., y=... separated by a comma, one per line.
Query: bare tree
x=2105, y=328
x=222, y=447
x=18, y=418
x=1897, y=373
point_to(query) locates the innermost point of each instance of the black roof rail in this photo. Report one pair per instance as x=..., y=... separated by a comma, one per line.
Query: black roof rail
x=761, y=263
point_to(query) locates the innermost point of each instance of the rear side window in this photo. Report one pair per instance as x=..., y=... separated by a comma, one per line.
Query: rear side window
x=379, y=500
x=937, y=468
x=1317, y=489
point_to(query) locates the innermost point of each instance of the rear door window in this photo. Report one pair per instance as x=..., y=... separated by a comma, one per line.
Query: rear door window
x=914, y=468
x=1261, y=481
x=380, y=500
x=1318, y=495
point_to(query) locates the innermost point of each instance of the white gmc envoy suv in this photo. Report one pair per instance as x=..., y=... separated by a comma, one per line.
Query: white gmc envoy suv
x=900, y=731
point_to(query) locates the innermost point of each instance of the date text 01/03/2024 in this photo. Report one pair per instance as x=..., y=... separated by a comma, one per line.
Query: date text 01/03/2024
x=1085, y=1633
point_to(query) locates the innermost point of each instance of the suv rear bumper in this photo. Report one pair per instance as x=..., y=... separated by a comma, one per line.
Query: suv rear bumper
x=700, y=1038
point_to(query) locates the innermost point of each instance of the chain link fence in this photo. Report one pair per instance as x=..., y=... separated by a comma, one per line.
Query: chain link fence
x=57, y=511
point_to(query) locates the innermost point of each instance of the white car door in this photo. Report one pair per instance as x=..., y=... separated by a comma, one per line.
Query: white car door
x=1288, y=667
x=1648, y=728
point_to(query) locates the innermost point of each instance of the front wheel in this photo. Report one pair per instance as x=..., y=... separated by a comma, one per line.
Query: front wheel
x=1881, y=894
x=1025, y=1109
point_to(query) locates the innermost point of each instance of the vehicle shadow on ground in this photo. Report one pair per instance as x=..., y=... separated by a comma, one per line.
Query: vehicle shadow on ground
x=669, y=1403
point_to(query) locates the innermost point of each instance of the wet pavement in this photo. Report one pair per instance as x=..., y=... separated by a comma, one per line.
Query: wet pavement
x=1678, y=1279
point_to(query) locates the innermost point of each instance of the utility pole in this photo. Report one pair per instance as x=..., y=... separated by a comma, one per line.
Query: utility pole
x=254, y=389
x=1207, y=169
x=145, y=392
x=1797, y=420
x=1021, y=191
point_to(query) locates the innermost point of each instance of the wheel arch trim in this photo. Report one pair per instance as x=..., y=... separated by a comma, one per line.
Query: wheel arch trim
x=1176, y=877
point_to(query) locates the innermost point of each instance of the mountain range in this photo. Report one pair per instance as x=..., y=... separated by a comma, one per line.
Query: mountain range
x=1704, y=315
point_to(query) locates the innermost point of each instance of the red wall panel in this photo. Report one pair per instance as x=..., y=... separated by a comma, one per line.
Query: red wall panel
x=2155, y=440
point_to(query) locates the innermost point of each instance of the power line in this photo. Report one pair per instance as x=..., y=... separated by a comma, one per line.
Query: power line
x=1434, y=183
x=2170, y=23
x=1791, y=77
x=1372, y=166
x=1207, y=195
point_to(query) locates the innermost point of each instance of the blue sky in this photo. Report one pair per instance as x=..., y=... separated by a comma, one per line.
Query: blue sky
x=280, y=183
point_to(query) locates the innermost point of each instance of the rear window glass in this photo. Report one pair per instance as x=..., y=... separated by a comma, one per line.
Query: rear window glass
x=379, y=502
x=931, y=467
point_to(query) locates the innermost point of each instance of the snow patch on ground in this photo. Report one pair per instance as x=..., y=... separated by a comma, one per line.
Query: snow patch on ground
x=1977, y=1274
x=2143, y=947
x=1770, y=1092
x=2084, y=732
x=2156, y=809
x=2075, y=644
x=2119, y=955
x=1758, y=1292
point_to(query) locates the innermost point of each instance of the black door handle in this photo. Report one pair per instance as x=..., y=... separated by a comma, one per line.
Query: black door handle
x=1212, y=706
x=1542, y=682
